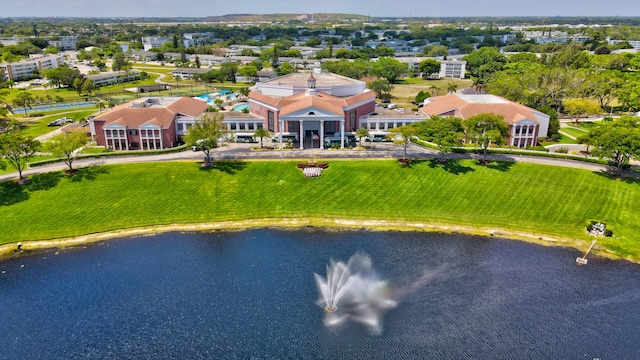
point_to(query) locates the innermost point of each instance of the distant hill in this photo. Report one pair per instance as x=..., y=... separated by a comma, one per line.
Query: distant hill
x=319, y=17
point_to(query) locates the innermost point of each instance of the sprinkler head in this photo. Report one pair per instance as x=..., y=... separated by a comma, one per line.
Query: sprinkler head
x=330, y=309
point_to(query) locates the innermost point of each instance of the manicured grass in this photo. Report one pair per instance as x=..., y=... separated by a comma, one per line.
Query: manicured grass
x=543, y=200
x=573, y=131
x=39, y=127
x=561, y=140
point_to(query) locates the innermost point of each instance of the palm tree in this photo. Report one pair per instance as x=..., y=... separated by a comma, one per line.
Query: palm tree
x=261, y=133
x=452, y=87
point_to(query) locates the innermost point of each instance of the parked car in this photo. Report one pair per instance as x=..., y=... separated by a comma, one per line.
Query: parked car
x=60, y=122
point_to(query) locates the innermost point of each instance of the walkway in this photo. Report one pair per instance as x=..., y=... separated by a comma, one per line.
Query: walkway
x=244, y=152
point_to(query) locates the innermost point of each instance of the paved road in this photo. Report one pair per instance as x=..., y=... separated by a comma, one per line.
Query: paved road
x=244, y=152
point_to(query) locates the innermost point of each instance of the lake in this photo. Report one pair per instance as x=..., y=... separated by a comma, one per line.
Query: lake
x=252, y=294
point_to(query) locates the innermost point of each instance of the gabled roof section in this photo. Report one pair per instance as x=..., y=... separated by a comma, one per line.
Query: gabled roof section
x=470, y=105
x=309, y=101
x=160, y=115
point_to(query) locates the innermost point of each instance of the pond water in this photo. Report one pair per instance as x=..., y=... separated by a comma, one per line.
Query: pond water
x=252, y=294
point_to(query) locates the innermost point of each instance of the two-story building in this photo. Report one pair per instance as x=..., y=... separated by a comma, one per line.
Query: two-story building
x=146, y=123
x=525, y=124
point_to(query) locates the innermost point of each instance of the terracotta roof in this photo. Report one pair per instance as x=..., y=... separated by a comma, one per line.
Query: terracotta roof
x=301, y=100
x=162, y=116
x=469, y=105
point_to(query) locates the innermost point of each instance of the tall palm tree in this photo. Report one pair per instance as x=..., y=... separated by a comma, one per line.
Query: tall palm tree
x=452, y=87
x=261, y=133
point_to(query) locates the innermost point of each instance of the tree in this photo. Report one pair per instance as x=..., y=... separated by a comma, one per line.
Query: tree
x=204, y=135
x=261, y=133
x=452, y=87
x=67, y=145
x=405, y=133
x=77, y=84
x=485, y=129
x=382, y=88
x=24, y=99
x=119, y=61
x=446, y=132
x=580, y=107
x=428, y=67
x=17, y=150
x=362, y=133
x=421, y=96
x=285, y=69
x=554, y=123
x=485, y=62
x=389, y=68
x=618, y=141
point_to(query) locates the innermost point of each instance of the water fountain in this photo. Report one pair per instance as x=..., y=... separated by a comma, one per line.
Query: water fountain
x=353, y=291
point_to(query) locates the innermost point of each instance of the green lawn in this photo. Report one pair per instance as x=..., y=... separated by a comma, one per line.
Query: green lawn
x=525, y=197
x=39, y=127
x=561, y=140
x=574, y=131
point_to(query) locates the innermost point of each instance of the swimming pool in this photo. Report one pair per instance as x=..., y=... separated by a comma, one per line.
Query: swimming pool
x=241, y=107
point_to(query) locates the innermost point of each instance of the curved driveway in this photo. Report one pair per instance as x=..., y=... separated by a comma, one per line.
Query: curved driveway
x=244, y=152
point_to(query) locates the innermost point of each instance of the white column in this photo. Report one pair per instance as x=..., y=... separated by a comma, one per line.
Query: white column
x=106, y=139
x=126, y=139
x=512, y=140
x=301, y=135
x=161, y=144
x=321, y=134
x=342, y=134
x=280, y=127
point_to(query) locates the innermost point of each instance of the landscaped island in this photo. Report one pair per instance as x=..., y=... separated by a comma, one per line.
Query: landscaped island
x=520, y=200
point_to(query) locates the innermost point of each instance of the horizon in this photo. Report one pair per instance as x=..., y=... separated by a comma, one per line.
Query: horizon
x=373, y=8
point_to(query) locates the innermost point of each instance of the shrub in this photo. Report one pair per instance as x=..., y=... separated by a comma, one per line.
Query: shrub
x=563, y=150
x=608, y=233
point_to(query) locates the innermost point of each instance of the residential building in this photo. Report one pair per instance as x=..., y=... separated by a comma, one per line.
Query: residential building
x=150, y=42
x=525, y=124
x=452, y=69
x=147, y=123
x=187, y=73
x=26, y=69
x=114, y=77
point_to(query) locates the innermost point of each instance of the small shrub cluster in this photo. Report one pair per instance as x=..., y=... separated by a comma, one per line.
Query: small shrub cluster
x=562, y=150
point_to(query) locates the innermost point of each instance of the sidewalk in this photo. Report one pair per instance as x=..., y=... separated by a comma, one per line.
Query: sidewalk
x=238, y=151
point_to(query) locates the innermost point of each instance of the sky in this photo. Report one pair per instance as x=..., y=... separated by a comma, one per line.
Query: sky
x=377, y=8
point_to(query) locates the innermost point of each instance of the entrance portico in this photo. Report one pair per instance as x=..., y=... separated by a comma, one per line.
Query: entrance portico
x=312, y=124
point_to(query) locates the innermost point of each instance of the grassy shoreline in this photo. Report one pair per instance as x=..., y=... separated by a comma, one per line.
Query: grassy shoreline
x=550, y=205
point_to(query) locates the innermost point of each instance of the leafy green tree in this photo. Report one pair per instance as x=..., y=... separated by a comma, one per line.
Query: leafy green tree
x=421, y=96
x=485, y=61
x=404, y=134
x=77, y=84
x=67, y=145
x=382, y=88
x=436, y=51
x=389, y=68
x=629, y=95
x=205, y=134
x=486, y=129
x=17, y=150
x=362, y=133
x=248, y=71
x=446, y=132
x=119, y=61
x=428, y=67
x=580, y=107
x=229, y=70
x=285, y=69
x=261, y=133
x=618, y=141
x=24, y=99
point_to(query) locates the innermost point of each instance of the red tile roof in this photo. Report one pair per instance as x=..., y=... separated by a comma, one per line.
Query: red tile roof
x=469, y=105
x=162, y=116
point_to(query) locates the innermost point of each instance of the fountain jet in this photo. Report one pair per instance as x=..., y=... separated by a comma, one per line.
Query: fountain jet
x=353, y=291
